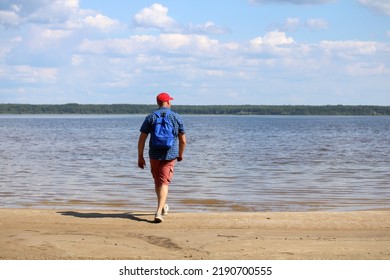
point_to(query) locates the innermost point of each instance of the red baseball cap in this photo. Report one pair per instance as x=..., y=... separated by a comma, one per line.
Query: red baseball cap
x=163, y=97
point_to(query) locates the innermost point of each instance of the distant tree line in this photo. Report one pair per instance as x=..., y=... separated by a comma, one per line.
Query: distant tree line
x=74, y=108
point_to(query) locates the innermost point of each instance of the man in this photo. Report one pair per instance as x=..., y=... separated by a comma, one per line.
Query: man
x=162, y=161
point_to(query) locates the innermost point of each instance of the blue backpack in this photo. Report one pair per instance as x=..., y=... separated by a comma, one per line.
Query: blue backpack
x=162, y=136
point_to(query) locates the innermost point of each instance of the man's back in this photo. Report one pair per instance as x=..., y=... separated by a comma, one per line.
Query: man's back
x=178, y=128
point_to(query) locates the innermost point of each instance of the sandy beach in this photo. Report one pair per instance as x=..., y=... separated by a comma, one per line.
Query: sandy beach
x=89, y=234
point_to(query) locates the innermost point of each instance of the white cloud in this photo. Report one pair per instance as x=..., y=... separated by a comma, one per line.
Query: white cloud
x=69, y=52
x=118, y=46
x=41, y=46
x=350, y=48
x=16, y=39
x=93, y=21
x=317, y=23
x=382, y=6
x=44, y=38
x=155, y=16
x=357, y=58
x=277, y=38
x=56, y=14
x=101, y=22
x=208, y=28
x=272, y=38
x=296, y=2
x=32, y=75
x=137, y=60
x=215, y=73
x=292, y=23
x=366, y=69
x=77, y=60
x=52, y=34
x=173, y=41
x=17, y=12
x=54, y=11
x=163, y=43
x=51, y=31
x=9, y=18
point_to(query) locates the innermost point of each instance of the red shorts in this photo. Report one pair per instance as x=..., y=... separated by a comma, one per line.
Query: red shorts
x=162, y=171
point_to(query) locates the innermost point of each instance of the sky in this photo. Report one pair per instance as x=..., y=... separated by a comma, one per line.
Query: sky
x=202, y=52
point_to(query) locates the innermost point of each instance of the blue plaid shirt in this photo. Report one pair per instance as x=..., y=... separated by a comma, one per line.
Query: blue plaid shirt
x=178, y=127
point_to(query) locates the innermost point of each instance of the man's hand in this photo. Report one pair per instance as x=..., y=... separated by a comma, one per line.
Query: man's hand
x=141, y=146
x=182, y=146
x=141, y=162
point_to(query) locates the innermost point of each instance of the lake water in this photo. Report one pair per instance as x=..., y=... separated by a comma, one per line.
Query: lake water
x=232, y=163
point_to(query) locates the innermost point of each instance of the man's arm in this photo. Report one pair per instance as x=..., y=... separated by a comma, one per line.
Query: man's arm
x=141, y=147
x=182, y=146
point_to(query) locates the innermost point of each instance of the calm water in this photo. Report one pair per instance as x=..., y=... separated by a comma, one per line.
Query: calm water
x=232, y=163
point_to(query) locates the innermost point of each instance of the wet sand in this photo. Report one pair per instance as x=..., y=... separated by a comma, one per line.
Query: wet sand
x=54, y=234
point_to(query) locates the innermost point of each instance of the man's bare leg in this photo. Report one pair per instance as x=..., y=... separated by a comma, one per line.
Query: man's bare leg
x=162, y=195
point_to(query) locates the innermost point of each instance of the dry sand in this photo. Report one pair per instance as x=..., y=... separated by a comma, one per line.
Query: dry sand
x=53, y=234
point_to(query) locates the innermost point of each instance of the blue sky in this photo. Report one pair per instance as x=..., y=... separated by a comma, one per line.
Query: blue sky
x=273, y=52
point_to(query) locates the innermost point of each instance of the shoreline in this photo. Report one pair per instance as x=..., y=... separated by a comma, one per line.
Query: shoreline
x=43, y=234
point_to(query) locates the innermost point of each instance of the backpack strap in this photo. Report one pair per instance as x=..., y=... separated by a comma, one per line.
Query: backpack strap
x=159, y=113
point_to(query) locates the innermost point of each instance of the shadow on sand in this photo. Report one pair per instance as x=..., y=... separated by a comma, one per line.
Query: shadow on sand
x=130, y=216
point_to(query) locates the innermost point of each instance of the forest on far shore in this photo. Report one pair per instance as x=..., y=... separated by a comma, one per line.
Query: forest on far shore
x=74, y=108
